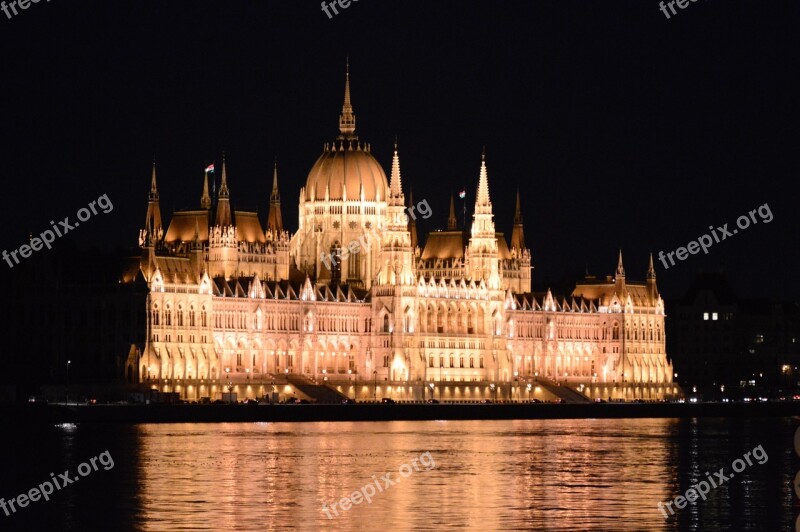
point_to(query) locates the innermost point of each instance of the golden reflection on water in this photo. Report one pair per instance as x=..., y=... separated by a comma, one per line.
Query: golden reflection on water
x=488, y=475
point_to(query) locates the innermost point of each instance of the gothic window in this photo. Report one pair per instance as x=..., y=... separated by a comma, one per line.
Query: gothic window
x=452, y=361
x=481, y=361
x=180, y=316
x=430, y=361
x=461, y=361
x=386, y=323
x=472, y=362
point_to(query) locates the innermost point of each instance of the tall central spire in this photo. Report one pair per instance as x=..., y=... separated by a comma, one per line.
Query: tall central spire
x=347, y=120
x=483, y=205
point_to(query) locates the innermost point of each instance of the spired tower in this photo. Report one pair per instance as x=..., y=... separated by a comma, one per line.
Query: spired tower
x=342, y=209
x=393, y=307
x=482, y=253
x=223, y=239
x=152, y=234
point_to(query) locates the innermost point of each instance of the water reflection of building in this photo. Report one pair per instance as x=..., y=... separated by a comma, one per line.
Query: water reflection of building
x=230, y=302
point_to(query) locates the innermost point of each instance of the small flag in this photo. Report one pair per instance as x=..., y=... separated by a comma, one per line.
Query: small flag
x=210, y=168
x=462, y=194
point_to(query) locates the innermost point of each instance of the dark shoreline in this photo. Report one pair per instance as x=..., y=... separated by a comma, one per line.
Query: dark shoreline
x=54, y=414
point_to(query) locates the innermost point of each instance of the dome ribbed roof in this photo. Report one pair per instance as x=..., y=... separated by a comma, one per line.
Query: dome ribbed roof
x=343, y=169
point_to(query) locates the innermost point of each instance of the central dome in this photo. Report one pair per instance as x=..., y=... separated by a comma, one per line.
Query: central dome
x=346, y=168
x=343, y=171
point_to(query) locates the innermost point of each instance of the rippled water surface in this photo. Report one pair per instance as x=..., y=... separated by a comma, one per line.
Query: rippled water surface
x=481, y=475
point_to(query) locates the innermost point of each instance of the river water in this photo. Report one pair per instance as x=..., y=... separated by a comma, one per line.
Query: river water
x=593, y=474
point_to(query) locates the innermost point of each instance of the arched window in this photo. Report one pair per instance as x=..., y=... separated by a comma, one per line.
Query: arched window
x=461, y=361
x=452, y=361
x=168, y=317
x=615, y=332
x=180, y=316
x=156, y=316
x=481, y=361
x=386, y=323
x=471, y=361
x=441, y=361
x=192, y=317
x=430, y=361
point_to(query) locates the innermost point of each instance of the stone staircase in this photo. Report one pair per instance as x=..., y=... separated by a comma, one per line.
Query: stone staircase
x=564, y=392
x=321, y=393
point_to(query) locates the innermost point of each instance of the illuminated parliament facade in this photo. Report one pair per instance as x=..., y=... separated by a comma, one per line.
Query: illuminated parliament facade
x=352, y=301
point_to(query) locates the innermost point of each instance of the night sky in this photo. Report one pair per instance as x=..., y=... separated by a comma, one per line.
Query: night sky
x=621, y=128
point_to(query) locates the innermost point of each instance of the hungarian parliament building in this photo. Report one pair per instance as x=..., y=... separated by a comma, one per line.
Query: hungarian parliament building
x=353, y=301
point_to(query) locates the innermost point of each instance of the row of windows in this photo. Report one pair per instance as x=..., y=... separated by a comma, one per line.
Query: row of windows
x=461, y=361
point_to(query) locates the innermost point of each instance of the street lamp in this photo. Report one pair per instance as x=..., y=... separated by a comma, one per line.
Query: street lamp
x=375, y=385
x=68, y=363
x=516, y=379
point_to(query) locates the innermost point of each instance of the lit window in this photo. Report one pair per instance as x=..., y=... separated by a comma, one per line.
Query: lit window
x=714, y=316
x=705, y=316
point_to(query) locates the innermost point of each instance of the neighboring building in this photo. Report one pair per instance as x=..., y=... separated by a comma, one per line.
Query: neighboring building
x=69, y=319
x=351, y=299
x=720, y=340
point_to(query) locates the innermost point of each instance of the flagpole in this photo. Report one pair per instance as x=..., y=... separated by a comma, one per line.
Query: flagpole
x=464, y=207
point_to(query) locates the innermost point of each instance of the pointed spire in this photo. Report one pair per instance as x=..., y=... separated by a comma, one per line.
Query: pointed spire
x=651, y=271
x=275, y=196
x=223, y=187
x=620, y=267
x=152, y=222
x=205, y=199
x=347, y=120
x=395, y=182
x=452, y=221
x=517, y=234
x=153, y=187
x=275, y=218
x=223, y=200
x=483, y=205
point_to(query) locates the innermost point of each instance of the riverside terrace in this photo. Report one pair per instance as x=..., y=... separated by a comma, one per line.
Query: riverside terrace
x=33, y=414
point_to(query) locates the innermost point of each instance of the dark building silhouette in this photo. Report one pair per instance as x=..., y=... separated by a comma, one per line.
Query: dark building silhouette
x=66, y=305
x=717, y=339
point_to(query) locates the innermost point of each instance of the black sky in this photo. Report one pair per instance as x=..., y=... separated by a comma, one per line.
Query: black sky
x=620, y=127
